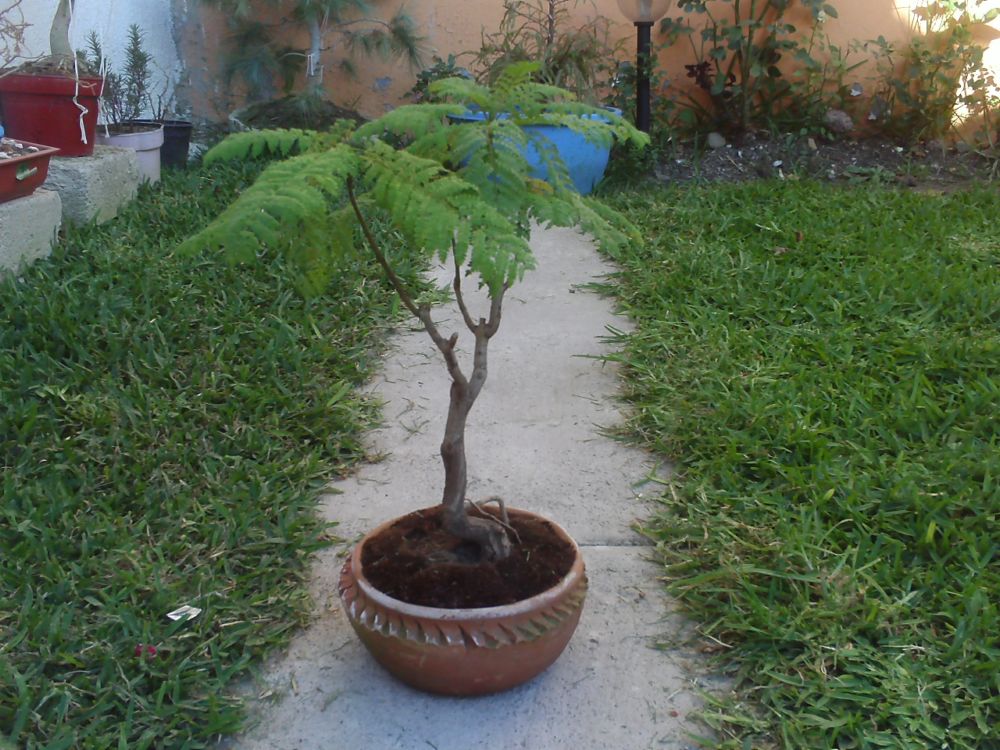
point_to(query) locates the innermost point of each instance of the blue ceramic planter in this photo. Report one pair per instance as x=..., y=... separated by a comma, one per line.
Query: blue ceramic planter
x=585, y=160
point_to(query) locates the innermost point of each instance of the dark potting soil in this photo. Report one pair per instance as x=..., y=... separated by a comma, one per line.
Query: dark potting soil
x=417, y=561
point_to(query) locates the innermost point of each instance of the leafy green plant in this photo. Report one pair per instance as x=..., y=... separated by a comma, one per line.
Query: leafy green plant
x=822, y=365
x=984, y=109
x=439, y=70
x=128, y=91
x=580, y=59
x=939, y=69
x=462, y=192
x=819, y=81
x=741, y=52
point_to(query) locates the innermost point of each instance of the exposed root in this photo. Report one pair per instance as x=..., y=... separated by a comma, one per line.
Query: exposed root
x=489, y=533
x=504, y=518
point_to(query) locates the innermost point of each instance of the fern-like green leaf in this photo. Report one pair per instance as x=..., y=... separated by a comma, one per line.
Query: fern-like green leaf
x=255, y=143
x=409, y=121
x=289, y=200
x=462, y=188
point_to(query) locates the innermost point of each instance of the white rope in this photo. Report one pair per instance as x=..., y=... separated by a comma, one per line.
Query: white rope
x=76, y=90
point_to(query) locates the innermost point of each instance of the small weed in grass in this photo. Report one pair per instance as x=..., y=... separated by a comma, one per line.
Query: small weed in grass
x=165, y=424
x=824, y=364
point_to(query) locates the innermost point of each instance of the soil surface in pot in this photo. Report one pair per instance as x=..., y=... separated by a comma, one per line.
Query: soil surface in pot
x=417, y=561
x=54, y=65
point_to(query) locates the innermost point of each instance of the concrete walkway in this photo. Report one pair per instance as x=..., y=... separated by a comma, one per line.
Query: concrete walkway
x=534, y=438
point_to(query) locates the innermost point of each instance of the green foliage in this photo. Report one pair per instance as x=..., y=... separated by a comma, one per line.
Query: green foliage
x=940, y=68
x=396, y=38
x=579, y=59
x=818, y=82
x=254, y=57
x=126, y=91
x=743, y=54
x=166, y=424
x=254, y=144
x=823, y=366
x=463, y=188
x=440, y=70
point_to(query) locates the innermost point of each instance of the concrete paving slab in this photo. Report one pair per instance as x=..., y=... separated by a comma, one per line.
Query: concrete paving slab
x=537, y=437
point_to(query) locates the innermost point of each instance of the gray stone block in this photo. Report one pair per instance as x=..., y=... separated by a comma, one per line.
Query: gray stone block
x=28, y=228
x=94, y=186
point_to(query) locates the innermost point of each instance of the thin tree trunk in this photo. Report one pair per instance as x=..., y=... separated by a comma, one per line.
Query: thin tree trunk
x=489, y=534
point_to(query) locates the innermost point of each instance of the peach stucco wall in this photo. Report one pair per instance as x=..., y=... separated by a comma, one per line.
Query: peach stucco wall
x=455, y=26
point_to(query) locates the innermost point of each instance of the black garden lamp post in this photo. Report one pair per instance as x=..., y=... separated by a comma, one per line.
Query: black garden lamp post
x=643, y=13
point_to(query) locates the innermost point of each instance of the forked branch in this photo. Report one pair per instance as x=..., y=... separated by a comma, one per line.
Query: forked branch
x=489, y=533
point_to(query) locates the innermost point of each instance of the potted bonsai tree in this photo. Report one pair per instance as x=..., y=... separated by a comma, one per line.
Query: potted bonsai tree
x=456, y=599
x=126, y=93
x=53, y=100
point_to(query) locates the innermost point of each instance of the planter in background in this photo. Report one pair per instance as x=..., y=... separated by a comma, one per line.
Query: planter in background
x=145, y=138
x=463, y=652
x=41, y=109
x=21, y=175
x=176, y=141
x=585, y=160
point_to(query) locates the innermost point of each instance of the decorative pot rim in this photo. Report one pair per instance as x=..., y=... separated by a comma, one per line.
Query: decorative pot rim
x=166, y=122
x=524, y=606
x=142, y=140
x=477, y=115
x=16, y=81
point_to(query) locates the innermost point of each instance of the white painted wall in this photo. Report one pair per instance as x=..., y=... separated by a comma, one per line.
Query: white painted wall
x=111, y=19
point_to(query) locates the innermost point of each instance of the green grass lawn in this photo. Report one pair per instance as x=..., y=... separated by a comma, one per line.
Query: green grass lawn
x=164, y=426
x=824, y=366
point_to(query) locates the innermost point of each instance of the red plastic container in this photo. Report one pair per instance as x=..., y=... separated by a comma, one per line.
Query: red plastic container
x=40, y=109
x=21, y=175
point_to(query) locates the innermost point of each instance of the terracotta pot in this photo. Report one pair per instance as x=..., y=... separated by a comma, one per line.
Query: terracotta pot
x=464, y=652
x=22, y=175
x=41, y=109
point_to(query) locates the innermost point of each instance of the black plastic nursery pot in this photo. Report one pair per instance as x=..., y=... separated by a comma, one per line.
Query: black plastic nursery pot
x=176, y=141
